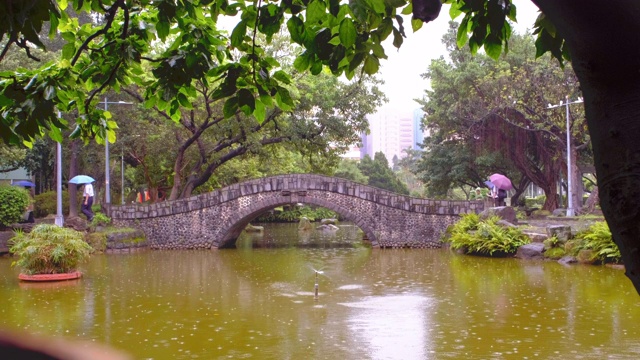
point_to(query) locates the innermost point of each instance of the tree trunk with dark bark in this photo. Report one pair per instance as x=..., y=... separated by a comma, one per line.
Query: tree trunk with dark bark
x=602, y=37
x=73, y=171
x=592, y=201
x=552, y=200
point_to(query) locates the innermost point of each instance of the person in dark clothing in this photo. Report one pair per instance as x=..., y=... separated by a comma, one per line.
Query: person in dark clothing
x=502, y=194
x=87, y=201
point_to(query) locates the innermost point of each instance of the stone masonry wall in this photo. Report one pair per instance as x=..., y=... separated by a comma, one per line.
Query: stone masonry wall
x=216, y=219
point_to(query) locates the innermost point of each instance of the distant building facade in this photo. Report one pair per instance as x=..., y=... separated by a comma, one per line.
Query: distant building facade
x=15, y=175
x=391, y=134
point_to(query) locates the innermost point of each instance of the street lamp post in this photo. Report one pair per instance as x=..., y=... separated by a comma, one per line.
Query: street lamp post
x=122, y=177
x=107, y=191
x=59, y=220
x=570, y=210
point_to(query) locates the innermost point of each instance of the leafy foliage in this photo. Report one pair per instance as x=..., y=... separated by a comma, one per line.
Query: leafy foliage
x=535, y=202
x=380, y=175
x=489, y=116
x=10, y=157
x=598, y=239
x=348, y=169
x=476, y=236
x=554, y=248
x=49, y=249
x=100, y=219
x=326, y=117
x=46, y=203
x=296, y=213
x=13, y=202
x=168, y=46
x=479, y=194
x=485, y=23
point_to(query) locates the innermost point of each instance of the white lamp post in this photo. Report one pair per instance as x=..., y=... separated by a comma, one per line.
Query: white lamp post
x=570, y=209
x=122, y=177
x=107, y=191
x=59, y=220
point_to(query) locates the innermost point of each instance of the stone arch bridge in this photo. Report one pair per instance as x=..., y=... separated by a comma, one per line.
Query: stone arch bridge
x=216, y=219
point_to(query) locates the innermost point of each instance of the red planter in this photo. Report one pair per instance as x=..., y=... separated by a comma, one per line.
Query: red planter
x=50, y=277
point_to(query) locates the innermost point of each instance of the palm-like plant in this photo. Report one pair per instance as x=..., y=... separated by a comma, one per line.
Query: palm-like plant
x=49, y=249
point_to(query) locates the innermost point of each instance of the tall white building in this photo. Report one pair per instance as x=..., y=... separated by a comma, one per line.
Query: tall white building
x=405, y=136
x=383, y=136
x=390, y=134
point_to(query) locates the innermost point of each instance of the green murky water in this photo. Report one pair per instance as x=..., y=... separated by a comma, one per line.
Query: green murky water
x=373, y=304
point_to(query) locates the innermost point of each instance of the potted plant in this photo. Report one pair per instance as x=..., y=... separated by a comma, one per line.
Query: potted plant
x=49, y=253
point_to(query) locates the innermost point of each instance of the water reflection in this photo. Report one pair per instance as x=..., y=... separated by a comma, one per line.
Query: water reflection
x=389, y=333
x=288, y=235
x=373, y=304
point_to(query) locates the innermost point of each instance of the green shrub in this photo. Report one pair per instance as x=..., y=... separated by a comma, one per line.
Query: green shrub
x=553, y=242
x=486, y=237
x=479, y=194
x=100, y=219
x=554, y=253
x=554, y=248
x=47, y=203
x=535, y=202
x=49, y=249
x=97, y=241
x=13, y=203
x=570, y=245
x=598, y=239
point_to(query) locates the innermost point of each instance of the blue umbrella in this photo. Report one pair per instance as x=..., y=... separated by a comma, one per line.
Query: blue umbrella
x=489, y=184
x=81, y=179
x=24, y=183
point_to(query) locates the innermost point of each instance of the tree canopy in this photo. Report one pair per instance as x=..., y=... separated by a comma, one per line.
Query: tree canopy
x=488, y=116
x=168, y=47
x=380, y=175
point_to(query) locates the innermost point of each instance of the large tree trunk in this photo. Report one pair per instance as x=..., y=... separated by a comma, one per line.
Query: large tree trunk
x=592, y=201
x=177, y=175
x=73, y=171
x=552, y=200
x=602, y=37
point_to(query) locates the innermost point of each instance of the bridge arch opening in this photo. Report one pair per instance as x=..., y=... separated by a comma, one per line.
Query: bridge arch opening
x=240, y=221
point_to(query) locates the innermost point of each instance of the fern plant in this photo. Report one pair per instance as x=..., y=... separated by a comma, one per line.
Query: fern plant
x=100, y=219
x=49, y=249
x=487, y=237
x=598, y=239
x=554, y=248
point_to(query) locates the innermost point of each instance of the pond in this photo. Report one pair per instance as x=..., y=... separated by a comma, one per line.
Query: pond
x=257, y=301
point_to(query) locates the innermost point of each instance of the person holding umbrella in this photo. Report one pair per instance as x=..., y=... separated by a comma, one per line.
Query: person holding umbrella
x=500, y=185
x=87, y=195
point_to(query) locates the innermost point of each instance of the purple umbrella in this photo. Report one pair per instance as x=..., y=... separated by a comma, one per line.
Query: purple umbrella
x=501, y=181
x=23, y=183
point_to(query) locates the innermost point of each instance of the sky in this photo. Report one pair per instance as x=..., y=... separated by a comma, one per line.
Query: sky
x=401, y=71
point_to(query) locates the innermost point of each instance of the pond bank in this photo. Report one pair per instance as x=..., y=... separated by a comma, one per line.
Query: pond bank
x=101, y=238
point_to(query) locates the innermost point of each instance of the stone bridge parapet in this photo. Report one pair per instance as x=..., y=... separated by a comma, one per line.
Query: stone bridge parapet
x=216, y=219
